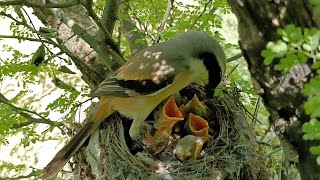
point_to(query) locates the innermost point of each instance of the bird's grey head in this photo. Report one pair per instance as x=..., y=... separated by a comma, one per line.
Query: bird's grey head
x=202, y=46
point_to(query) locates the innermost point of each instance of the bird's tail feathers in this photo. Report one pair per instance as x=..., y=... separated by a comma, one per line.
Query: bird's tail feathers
x=63, y=156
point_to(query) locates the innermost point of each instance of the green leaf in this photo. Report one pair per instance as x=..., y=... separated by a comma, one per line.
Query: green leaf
x=312, y=107
x=307, y=47
x=48, y=32
x=17, y=9
x=315, y=2
x=268, y=55
x=312, y=88
x=279, y=48
x=302, y=57
x=316, y=65
x=312, y=38
x=65, y=69
x=294, y=35
x=62, y=85
x=311, y=130
x=286, y=63
x=315, y=149
x=39, y=56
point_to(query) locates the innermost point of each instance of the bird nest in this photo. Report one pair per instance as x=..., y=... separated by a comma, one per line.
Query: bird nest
x=230, y=152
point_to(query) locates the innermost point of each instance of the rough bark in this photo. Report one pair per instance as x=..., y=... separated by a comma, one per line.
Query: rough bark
x=85, y=36
x=258, y=21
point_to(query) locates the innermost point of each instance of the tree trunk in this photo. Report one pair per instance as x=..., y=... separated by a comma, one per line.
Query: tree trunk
x=258, y=22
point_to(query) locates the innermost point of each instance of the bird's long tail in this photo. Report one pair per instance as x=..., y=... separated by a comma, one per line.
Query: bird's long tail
x=63, y=156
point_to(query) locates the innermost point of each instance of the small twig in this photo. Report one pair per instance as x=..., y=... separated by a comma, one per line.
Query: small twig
x=268, y=144
x=256, y=109
x=96, y=19
x=84, y=101
x=252, y=116
x=33, y=173
x=31, y=120
x=164, y=20
x=200, y=15
x=36, y=5
x=273, y=152
x=141, y=25
x=232, y=70
x=18, y=22
x=24, y=38
x=233, y=58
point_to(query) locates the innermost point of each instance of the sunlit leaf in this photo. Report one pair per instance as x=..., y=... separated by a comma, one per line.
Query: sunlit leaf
x=311, y=130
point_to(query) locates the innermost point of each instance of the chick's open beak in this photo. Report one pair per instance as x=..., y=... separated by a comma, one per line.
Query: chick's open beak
x=197, y=126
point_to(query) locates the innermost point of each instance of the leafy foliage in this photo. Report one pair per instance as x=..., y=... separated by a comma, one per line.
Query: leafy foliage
x=298, y=47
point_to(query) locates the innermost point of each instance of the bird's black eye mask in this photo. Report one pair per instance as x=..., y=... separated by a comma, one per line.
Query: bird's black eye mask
x=212, y=65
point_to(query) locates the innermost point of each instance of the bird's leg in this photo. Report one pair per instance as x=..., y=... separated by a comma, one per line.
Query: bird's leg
x=135, y=132
x=135, y=129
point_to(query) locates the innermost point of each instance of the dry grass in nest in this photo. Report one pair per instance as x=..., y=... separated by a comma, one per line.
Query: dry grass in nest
x=232, y=153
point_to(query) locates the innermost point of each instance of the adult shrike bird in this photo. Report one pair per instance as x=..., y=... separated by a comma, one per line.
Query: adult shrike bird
x=148, y=78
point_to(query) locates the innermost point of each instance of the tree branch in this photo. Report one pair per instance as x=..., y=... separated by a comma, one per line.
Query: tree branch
x=18, y=22
x=110, y=13
x=34, y=173
x=164, y=19
x=131, y=32
x=36, y=5
x=26, y=114
x=96, y=19
x=200, y=15
x=233, y=58
x=89, y=75
x=140, y=23
x=25, y=38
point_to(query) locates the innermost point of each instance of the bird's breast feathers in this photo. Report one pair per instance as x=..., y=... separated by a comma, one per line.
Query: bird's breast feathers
x=199, y=72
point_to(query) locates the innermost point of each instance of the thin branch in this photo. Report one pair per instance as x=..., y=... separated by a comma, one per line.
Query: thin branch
x=25, y=38
x=232, y=70
x=18, y=22
x=94, y=79
x=268, y=144
x=33, y=173
x=164, y=19
x=109, y=15
x=252, y=116
x=96, y=19
x=26, y=114
x=36, y=5
x=256, y=109
x=141, y=25
x=32, y=25
x=273, y=152
x=132, y=33
x=87, y=71
x=200, y=15
x=233, y=58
